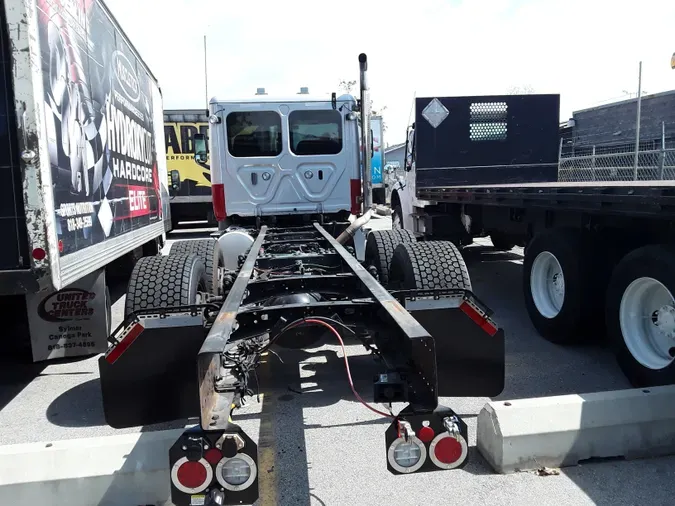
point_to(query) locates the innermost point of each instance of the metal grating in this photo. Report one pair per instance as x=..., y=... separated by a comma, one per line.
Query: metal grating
x=488, y=121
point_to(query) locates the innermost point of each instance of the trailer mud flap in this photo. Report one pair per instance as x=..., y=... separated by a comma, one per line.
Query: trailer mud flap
x=470, y=351
x=149, y=375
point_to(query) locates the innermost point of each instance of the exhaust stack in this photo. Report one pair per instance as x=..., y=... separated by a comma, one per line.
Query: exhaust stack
x=366, y=135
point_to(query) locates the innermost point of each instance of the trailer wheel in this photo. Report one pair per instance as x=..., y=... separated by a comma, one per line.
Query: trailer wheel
x=380, y=246
x=558, y=284
x=209, y=251
x=640, y=315
x=165, y=281
x=428, y=264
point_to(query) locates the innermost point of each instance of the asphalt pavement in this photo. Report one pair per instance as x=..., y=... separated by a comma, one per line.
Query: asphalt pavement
x=319, y=446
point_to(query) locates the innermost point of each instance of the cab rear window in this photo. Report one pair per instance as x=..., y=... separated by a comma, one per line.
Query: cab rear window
x=315, y=132
x=253, y=134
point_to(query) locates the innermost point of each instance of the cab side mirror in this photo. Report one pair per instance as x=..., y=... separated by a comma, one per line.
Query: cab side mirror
x=199, y=141
x=175, y=180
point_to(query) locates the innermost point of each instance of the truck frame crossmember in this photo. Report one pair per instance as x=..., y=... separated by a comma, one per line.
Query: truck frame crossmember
x=355, y=295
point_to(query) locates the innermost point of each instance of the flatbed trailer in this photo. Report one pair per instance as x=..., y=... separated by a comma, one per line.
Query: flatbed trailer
x=287, y=270
x=599, y=255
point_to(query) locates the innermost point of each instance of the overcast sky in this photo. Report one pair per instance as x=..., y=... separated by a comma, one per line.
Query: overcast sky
x=586, y=50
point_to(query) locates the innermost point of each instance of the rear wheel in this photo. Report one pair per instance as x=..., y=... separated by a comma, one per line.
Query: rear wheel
x=640, y=315
x=428, y=265
x=209, y=251
x=559, y=285
x=165, y=281
x=380, y=246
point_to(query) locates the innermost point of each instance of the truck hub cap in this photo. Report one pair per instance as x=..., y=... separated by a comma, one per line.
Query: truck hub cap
x=647, y=320
x=547, y=284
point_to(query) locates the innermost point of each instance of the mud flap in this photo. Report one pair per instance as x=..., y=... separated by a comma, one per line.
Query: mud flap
x=470, y=351
x=150, y=374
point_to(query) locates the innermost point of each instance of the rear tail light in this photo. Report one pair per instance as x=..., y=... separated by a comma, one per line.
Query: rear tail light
x=236, y=473
x=355, y=188
x=447, y=451
x=424, y=442
x=407, y=456
x=190, y=476
x=218, y=197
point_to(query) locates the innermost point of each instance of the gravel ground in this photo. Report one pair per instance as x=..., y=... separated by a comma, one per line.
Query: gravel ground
x=320, y=447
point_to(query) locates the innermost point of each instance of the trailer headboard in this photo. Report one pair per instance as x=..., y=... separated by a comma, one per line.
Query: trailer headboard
x=495, y=139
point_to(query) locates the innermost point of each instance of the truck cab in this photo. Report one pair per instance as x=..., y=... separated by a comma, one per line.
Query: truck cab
x=274, y=156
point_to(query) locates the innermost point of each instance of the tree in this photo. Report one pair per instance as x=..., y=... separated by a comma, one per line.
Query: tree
x=520, y=90
x=349, y=87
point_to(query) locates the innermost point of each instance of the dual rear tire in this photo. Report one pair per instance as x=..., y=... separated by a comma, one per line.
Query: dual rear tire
x=577, y=288
x=402, y=263
x=184, y=277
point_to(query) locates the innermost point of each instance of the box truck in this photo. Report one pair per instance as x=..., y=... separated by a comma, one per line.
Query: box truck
x=85, y=188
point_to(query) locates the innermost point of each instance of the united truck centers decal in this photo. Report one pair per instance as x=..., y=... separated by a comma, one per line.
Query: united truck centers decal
x=65, y=305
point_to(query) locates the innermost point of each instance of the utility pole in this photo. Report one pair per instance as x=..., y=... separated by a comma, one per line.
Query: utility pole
x=637, y=124
x=206, y=79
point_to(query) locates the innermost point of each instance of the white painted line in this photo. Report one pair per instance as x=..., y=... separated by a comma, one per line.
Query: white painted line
x=129, y=469
x=526, y=434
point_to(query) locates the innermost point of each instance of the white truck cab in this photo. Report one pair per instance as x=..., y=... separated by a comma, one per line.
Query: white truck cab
x=273, y=156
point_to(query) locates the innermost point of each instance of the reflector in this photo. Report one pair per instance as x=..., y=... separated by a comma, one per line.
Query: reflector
x=448, y=452
x=426, y=434
x=236, y=473
x=213, y=456
x=191, y=477
x=407, y=456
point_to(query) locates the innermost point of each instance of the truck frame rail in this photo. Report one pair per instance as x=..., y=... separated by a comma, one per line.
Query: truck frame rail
x=293, y=286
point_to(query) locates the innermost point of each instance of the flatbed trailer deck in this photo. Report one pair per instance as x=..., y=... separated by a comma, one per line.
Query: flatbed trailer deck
x=635, y=198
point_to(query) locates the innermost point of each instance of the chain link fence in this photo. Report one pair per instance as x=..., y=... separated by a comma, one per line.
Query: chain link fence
x=654, y=164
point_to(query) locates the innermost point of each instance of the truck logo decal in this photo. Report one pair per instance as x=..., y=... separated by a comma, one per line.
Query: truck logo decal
x=126, y=76
x=67, y=304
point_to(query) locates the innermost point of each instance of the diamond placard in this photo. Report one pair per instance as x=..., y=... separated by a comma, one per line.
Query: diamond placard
x=105, y=216
x=435, y=113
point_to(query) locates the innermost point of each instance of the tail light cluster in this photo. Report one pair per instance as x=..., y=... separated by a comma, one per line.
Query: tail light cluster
x=426, y=442
x=214, y=463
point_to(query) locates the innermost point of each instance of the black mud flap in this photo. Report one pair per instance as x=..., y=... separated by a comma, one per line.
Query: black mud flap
x=149, y=374
x=470, y=351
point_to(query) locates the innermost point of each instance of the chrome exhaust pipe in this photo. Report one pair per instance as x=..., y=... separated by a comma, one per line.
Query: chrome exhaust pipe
x=366, y=135
x=356, y=224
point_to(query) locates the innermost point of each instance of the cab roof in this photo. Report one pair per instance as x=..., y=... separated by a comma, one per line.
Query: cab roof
x=283, y=99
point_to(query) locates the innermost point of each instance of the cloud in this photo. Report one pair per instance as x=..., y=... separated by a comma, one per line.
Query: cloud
x=586, y=51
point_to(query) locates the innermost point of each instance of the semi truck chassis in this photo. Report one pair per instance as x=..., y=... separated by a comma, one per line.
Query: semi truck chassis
x=195, y=332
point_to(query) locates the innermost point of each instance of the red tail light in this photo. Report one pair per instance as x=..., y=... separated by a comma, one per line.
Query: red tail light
x=355, y=185
x=483, y=321
x=448, y=452
x=191, y=477
x=218, y=196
